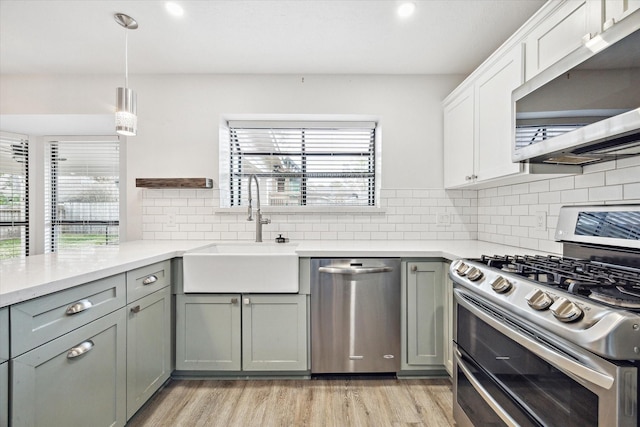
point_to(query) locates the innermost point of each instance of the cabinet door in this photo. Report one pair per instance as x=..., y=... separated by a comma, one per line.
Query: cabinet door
x=619, y=9
x=208, y=332
x=148, y=347
x=78, y=379
x=561, y=33
x=274, y=333
x=459, y=140
x=425, y=317
x=4, y=334
x=448, y=321
x=494, y=112
x=4, y=394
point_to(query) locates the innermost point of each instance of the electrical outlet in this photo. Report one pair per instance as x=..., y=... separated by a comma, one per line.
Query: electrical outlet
x=443, y=219
x=541, y=221
x=171, y=221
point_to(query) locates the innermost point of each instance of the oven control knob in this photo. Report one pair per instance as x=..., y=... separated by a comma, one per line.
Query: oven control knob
x=474, y=274
x=461, y=268
x=565, y=311
x=539, y=300
x=500, y=284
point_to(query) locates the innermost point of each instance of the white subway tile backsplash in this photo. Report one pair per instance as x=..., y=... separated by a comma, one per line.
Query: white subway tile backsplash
x=623, y=176
x=501, y=214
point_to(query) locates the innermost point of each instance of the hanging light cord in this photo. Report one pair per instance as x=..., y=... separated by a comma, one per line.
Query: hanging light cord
x=126, y=57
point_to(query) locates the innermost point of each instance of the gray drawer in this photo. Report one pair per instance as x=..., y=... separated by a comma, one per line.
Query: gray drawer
x=145, y=280
x=4, y=334
x=38, y=321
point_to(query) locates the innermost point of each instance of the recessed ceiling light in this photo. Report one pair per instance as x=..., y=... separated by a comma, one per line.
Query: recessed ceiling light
x=174, y=8
x=406, y=9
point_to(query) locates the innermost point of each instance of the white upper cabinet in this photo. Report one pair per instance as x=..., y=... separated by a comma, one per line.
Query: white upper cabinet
x=494, y=117
x=477, y=125
x=459, y=139
x=562, y=32
x=617, y=10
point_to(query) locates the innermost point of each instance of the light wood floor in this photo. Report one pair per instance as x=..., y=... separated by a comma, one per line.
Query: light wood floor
x=317, y=402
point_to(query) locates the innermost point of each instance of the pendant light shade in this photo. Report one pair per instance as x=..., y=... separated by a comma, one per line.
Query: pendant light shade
x=126, y=110
x=126, y=100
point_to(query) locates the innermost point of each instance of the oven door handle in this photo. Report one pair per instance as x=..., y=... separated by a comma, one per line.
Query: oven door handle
x=577, y=370
x=504, y=416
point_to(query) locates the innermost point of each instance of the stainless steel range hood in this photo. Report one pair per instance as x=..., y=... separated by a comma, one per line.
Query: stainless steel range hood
x=585, y=108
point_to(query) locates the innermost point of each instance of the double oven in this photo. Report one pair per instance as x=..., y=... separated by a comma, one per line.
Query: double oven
x=550, y=340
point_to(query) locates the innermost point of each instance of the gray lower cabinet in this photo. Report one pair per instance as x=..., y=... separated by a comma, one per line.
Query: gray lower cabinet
x=208, y=332
x=274, y=333
x=148, y=347
x=4, y=366
x=4, y=394
x=423, y=315
x=76, y=379
x=234, y=332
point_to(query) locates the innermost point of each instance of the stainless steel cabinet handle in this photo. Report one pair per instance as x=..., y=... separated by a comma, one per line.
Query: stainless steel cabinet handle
x=354, y=270
x=234, y=300
x=80, y=349
x=79, y=307
x=150, y=279
x=135, y=309
x=246, y=301
x=414, y=268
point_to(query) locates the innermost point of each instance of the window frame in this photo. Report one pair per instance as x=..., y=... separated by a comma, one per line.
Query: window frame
x=231, y=200
x=14, y=139
x=50, y=194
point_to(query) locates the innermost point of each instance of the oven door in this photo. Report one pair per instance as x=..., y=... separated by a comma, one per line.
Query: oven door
x=507, y=374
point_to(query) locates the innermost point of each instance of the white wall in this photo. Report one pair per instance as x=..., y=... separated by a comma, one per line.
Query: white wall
x=179, y=116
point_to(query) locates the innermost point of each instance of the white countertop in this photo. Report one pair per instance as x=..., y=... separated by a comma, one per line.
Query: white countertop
x=38, y=275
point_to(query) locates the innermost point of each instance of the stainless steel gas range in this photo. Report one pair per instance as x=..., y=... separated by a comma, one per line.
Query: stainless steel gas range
x=549, y=340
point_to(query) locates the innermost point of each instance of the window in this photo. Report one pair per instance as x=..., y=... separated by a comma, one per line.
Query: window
x=300, y=163
x=14, y=196
x=81, y=193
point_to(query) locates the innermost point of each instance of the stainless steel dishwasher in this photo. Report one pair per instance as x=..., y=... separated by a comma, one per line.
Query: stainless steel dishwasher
x=355, y=315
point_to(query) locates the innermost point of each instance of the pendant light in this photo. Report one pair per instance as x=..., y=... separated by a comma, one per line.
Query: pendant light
x=126, y=108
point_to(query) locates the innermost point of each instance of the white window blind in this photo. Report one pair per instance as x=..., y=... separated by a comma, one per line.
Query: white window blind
x=531, y=134
x=81, y=193
x=301, y=163
x=14, y=196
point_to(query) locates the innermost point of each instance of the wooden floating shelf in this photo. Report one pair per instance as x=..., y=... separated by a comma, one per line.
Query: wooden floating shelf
x=174, y=182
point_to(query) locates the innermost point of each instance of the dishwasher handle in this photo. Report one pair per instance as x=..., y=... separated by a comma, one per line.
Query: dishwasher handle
x=354, y=270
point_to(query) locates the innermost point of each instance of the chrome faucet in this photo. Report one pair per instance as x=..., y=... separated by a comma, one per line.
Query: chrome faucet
x=259, y=220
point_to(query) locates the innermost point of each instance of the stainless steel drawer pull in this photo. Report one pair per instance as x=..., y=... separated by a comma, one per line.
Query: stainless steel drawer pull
x=79, y=307
x=150, y=279
x=135, y=309
x=80, y=350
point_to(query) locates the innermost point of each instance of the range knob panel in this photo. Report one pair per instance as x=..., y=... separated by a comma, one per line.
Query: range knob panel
x=539, y=300
x=565, y=310
x=500, y=284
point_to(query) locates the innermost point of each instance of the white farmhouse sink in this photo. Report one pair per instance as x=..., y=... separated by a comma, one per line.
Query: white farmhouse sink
x=242, y=267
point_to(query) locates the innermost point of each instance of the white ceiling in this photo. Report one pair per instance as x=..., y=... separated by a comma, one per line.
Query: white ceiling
x=256, y=36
